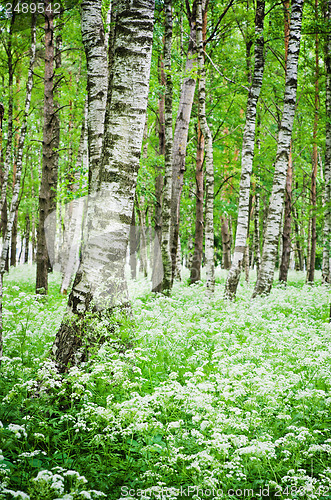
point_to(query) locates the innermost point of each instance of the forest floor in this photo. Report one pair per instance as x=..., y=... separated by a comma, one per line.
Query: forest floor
x=188, y=399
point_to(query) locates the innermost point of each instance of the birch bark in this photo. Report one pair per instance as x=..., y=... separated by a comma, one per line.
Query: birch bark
x=195, y=274
x=19, y=168
x=269, y=253
x=247, y=157
x=168, y=158
x=209, y=161
x=99, y=285
x=180, y=135
x=97, y=82
x=326, y=269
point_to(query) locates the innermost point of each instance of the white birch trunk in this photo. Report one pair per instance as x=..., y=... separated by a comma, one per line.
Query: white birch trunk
x=247, y=157
x=167, y=183
x=270, y=245
x=97, y=82
x=99, y=285
x=326, y=268
x=209, y=161
x=19, y=168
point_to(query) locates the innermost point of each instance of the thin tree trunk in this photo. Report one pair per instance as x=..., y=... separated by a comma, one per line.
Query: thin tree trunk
x=195, y=274
x=181, y=133
x=266, y=274
x=286, y=249
x=133, y=246
x=209, y=160
x=19, y=168
x=157, y=274
x=13, y=243
x=286, y=233
x=48, y=182
x=99, y=286
x=326, y=268
x=313, y=199
x=168, y=158
x=74, y=232
x=142, y=236
x=9, y=143
x=247, y=158
x=226, y=243
x=27, y=239
x=257, y=251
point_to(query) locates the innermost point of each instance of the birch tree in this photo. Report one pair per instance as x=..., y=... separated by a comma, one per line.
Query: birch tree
x=270, y=245
x=168, y=175
x=326, y=268
x=19, y=167
x=181, y=132
x=99, y=287
x=209, y=161
x=93, y=37
x=247, y=157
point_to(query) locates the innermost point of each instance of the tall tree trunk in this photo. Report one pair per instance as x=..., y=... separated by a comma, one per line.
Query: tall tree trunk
x=209, y=160
x=181, y=133
x=286, y=250
x=48, y=182
x=247, y=157
x=168, y=155
x=9, y=143
x=286, y=233
x=19, y=168
x=266, y=274
x=195, y=274
x=326, y=269
x=99, y=286
x=157, y=275
x=313, y=200
x=97, y=82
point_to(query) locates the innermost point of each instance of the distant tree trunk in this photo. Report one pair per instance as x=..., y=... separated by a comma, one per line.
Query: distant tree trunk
x=247, y=157
x=9, y=143
x=74, y=232
x=209, y=160
x=27, y=239
x=19, y=167
x=195, y=274
x=266, y=274
x=157, y=257
x=168, y=158
x=142, y=236
x=286, y=250
x=226, y=243
x=181, y=133
x=133, y=246
x=313, y=198
x=99, y=287
x=326, y=268
x=48, y=182
x=13, y=243
x=286, y=233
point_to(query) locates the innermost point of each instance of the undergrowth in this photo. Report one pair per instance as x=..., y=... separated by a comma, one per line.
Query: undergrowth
x=208, y=400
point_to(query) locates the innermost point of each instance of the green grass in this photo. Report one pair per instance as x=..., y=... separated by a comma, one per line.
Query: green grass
x=209, y=395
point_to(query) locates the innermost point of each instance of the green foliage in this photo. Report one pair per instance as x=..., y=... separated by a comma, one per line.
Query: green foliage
x=203, y=394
